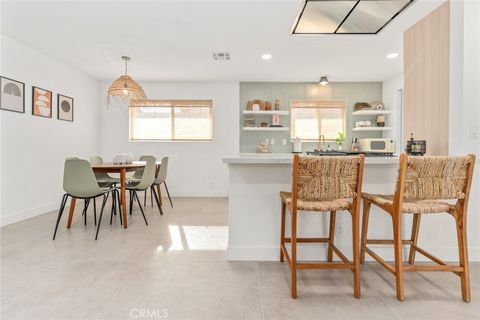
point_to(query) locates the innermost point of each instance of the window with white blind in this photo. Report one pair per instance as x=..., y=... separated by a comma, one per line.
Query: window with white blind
x=312, y=118
x=176, y=120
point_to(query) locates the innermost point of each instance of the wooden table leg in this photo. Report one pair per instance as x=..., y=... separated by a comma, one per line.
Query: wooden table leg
x=123, y=173
x=70, y=213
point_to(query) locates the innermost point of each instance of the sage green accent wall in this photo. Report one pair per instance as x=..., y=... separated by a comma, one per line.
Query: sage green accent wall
x=351, y=92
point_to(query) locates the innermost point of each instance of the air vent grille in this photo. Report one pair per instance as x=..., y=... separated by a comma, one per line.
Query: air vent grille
x=221, y=56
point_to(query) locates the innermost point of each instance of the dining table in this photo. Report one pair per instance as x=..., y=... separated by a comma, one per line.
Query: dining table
x=122, y=169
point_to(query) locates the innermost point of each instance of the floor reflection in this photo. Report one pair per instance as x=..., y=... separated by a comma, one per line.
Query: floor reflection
x=196, y=238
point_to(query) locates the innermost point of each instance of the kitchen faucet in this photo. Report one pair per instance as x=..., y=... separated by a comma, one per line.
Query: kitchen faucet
x=321, y=142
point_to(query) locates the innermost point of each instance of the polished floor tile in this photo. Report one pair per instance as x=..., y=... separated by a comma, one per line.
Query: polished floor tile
x=175, y=268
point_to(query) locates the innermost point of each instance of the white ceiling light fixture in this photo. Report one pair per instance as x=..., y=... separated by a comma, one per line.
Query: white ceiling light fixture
x=266, y=56
x=323, y=81
x=392, y=55
x=123, y=90
x=347, y=16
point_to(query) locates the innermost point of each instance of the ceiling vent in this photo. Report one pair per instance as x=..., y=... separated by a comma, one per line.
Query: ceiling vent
x=221, y=56
x=347, y=16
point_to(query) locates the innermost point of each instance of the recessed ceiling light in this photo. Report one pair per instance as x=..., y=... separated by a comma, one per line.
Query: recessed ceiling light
x=392, y=55
x=266, y=56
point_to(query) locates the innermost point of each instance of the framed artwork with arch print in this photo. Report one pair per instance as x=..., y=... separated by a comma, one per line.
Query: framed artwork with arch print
x=12, y=95
x=64, y=108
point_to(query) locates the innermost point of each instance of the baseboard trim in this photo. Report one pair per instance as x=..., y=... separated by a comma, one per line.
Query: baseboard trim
x=28, y=213
x=313, y=252
x=197, y=193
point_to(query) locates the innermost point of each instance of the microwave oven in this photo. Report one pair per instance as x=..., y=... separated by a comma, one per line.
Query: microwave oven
x=378, y=145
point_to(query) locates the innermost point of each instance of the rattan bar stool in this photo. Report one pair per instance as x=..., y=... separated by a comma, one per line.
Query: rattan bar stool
x=424, y=185
x=323, y=184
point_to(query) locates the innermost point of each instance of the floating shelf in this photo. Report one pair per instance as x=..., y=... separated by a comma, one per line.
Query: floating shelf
x=266, y=128
x=267, y=112
x=370, y=112
x=372, y=129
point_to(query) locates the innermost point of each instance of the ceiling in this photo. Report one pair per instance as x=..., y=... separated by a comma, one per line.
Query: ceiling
x=174, y=40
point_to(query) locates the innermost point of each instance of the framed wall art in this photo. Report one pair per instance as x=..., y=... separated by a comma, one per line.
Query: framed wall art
x=64, y=108
x=12, y=95
x=41, y=102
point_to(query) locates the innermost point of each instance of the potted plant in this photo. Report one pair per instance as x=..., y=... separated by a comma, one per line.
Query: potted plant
x=339, y=140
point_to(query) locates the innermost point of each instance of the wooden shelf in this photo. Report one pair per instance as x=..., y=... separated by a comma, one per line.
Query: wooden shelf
x=267, y=112
x=266, y=128
x=371, y=112
x=372, y=129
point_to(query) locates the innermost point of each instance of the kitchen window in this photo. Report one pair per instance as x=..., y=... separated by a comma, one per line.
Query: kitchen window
x=171, y=120
x=312, y=118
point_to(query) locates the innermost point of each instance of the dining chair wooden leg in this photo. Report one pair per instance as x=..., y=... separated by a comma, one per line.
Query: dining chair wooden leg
x=397, y=243
x=331, y=235
x=135, y=195
x=293, y=266
x=168, y=193
x=461, y=224
x=282, y=231
x=157, y=201
x=105, y=197
x=414, y=238
x=365, y=217
x=60, y=212
x=356, y=253
x=70, y=213
x=145, y=198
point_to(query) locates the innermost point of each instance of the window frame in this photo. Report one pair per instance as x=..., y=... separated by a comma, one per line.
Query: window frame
x=172, y=104
x=323, y=103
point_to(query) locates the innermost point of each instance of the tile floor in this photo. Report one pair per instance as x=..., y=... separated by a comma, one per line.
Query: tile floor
x=175, y=269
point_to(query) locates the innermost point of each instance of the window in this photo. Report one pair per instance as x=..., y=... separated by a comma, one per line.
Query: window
x=312, y=118
x=188, y=120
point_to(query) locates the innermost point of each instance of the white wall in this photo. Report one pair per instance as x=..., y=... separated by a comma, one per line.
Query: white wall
x=33, y=148
x=392, y=101
x=465, y=100
x=195, y=168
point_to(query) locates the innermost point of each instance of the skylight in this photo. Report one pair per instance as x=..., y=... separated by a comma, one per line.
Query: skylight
x=347, y=16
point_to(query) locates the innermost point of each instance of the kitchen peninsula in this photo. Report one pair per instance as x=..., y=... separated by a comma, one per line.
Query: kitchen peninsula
x=255, y=181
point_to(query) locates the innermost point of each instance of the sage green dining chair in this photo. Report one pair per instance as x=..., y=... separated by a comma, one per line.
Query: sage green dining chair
x=146, y=181
x=79, y=182
x=161, y=178
x=103, y=178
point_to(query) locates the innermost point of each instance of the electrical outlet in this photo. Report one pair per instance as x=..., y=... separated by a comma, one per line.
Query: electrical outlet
x=284, y=142
x=267, y=141
x=272, y=141
x=339, y=230
x=474, y=132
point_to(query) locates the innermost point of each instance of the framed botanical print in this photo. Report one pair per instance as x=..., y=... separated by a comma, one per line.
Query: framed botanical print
x=64, y=108
x=41, y=102
x=12, y=95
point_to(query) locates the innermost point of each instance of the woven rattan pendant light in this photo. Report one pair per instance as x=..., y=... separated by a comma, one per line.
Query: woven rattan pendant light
x=123, y=90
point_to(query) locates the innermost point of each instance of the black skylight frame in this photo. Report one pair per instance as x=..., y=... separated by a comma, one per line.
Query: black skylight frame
x=299, y=17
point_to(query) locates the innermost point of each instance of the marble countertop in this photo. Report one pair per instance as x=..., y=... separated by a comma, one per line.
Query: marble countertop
x=286, y=158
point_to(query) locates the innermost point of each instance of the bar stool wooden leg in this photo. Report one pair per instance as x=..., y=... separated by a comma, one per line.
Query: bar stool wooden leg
x=282, y=232
x=356, y=253
x=365, y=217
x=463, y=256
x=293, y=266
x=331, y=235
x=415, y=230
x=397, y=243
